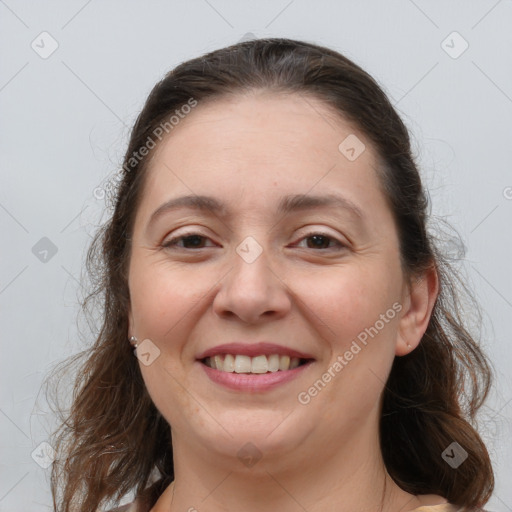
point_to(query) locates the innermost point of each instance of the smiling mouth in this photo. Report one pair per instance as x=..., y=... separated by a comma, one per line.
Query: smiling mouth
x=272, y=363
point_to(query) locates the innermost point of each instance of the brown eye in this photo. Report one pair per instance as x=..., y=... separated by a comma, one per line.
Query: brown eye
x=188, y=240
x=321, y=241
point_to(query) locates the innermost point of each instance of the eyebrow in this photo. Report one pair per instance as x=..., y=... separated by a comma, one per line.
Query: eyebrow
x=287, y=204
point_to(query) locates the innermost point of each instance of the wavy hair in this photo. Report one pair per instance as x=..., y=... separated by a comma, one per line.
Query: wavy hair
x=113, y=441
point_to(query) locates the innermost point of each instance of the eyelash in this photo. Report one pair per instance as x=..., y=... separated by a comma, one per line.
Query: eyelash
x=172, y=243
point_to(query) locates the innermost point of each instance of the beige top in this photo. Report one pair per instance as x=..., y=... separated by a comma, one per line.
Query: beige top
x=444, y=507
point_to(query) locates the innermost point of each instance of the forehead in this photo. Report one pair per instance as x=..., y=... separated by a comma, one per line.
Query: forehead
x=259, y=147
x=262, y=128
x=300, y=118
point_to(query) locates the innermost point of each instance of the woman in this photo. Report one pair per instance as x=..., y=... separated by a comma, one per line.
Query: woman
x=297, y=332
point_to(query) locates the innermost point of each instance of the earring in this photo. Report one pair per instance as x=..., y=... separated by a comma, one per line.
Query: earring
x=134, y=341
x=408, y=345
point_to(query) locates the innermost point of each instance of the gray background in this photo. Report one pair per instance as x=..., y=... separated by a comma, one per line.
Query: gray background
x=65, y=121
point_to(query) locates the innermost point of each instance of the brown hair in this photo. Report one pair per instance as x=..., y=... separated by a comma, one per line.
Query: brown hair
x=113, y=437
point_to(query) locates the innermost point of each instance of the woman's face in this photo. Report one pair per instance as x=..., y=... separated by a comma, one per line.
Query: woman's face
x=295, y=247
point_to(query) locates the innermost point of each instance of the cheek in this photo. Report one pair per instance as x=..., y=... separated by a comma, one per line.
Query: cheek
x=164, y=303
x=347, y=300
x=347, y=311
x=162, y=298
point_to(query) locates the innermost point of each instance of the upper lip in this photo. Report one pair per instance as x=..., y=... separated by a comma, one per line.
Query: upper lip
x=253, y=350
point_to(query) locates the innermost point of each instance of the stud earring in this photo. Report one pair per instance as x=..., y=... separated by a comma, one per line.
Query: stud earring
x=134, y=341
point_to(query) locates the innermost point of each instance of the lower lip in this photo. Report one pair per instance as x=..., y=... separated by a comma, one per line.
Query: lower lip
x=253, y=382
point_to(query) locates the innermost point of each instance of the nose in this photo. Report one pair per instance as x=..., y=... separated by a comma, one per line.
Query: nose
x=252, y=291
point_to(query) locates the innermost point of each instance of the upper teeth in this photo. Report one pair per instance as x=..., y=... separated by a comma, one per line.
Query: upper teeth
x=246, y=364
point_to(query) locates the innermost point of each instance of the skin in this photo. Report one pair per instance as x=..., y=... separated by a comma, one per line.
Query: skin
x=248, y=151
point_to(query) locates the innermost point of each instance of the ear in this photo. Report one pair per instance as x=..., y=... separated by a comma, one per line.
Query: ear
x=418, y=300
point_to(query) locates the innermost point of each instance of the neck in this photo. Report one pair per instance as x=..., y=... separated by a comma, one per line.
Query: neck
x=352, y=478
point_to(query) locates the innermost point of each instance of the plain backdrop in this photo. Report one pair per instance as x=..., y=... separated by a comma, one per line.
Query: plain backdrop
x=75, y=74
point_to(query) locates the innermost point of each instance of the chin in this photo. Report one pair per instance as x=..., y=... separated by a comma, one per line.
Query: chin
x=253, y=435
